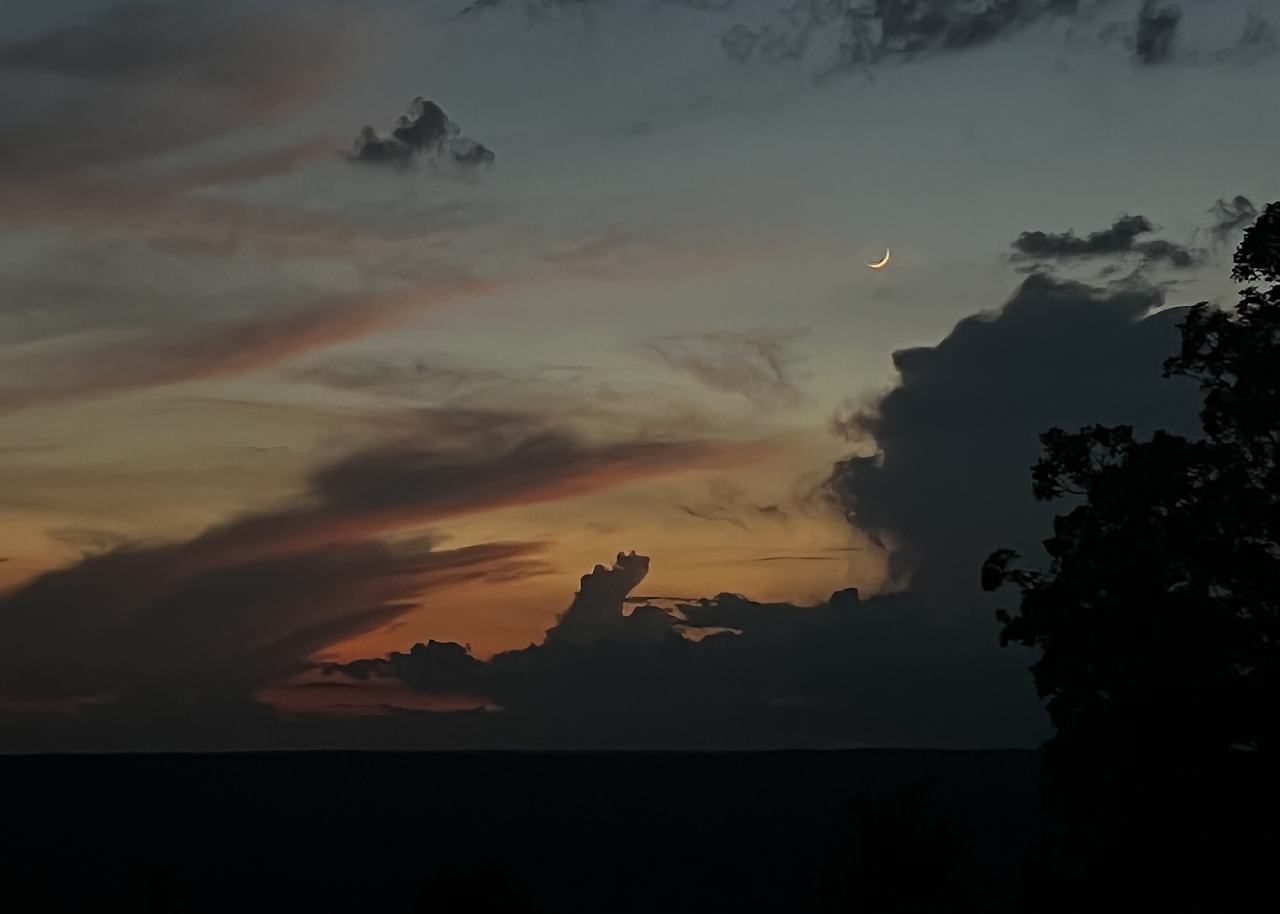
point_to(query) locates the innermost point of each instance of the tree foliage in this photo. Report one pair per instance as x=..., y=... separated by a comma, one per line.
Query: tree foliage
x=1157, y=620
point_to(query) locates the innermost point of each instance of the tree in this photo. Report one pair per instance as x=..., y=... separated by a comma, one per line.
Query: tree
x=1158, y=621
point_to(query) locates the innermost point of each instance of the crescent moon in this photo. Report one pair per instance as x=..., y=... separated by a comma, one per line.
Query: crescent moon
x=882, y=262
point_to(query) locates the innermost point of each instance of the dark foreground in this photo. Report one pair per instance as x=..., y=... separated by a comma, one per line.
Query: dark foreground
x=598, y=832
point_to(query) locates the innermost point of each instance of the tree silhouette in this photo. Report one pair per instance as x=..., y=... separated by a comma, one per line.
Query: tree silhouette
x=1158, y=623
x=476, y=888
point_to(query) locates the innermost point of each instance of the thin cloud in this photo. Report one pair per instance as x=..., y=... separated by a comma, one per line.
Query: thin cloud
x=206, y=349
x=704, y=514
x=755, y=364
x=1230, y=216
x=143, y=79
x=731, y=504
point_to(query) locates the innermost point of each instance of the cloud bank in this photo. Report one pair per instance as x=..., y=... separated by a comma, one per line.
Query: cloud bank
x=950, y=481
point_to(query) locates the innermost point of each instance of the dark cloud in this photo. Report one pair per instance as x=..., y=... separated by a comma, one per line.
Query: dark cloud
x=502, y=467
x=956, y=437
x=1231, y=216
x=594, y=613
x=1156, y=31
x=725, y=671
x=423, y=130
x=756, y=364
x=370, y=147
x=243, y=603
x=166, y=623
x=869, y=32
x=1120, y=239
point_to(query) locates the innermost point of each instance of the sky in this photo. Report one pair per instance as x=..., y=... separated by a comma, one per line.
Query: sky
x=313, y=435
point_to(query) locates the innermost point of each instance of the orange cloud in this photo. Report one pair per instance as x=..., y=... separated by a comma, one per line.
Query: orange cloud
x=240, y=605
x=217, y=349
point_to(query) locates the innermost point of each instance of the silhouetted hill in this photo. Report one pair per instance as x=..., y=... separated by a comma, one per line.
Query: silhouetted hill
x=595, y=832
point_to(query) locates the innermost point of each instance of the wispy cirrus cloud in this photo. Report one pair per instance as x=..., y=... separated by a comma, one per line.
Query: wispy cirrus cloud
x=756, y=364
x=157, y=352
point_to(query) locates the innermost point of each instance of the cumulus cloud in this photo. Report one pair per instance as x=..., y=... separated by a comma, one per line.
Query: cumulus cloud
x=957, y=436
x=756, y=364
x=424, y=130
x=1120, y=238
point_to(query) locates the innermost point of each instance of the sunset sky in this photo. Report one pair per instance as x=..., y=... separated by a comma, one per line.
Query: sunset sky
x=268, y=405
